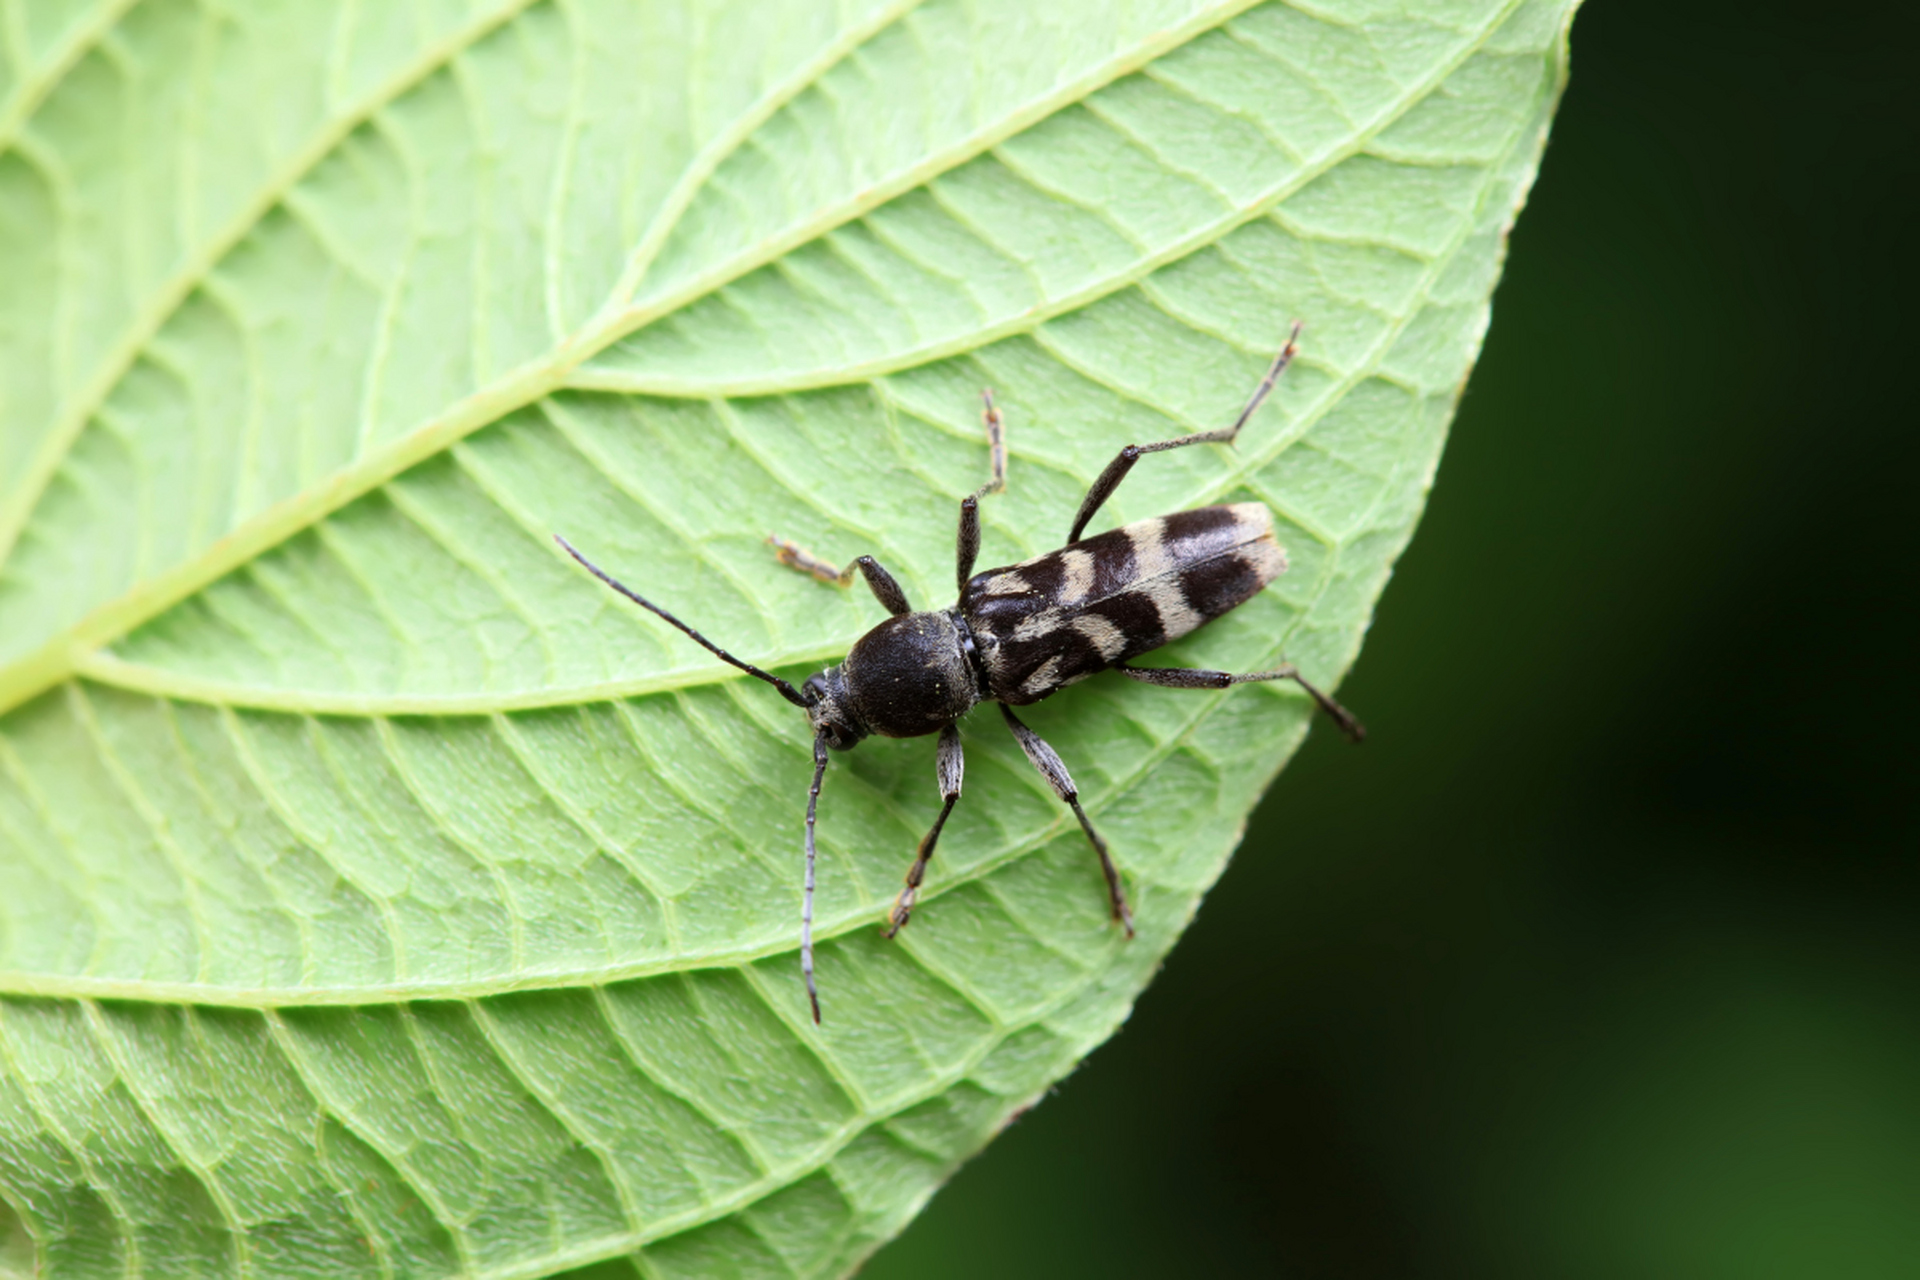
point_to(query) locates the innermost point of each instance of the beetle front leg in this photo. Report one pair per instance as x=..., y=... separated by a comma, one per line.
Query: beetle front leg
x=1189, y=678
x=882, y=584
x=1048, y=762
x=950, y=764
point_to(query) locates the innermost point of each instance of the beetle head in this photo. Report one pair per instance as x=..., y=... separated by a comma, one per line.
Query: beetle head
x=831, y=710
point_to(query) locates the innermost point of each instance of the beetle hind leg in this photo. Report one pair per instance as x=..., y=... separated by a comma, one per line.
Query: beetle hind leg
x=1116, y=471
x=1189, y=678
x=1048, y=762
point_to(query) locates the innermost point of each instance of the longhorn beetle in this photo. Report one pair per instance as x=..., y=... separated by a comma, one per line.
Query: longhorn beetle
x=1024, y=632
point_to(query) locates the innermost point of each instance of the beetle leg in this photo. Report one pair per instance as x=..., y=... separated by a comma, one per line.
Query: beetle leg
x=1188, y=678
x=885, y=589
x=996, y=445
x=967, y=546
x=1116, y=471
x=950, y=763
x=1048, y=762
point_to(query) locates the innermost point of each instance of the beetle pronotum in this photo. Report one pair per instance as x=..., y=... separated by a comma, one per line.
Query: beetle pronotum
x=1021, y=633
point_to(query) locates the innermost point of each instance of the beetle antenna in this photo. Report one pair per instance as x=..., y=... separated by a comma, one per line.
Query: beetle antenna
x=791, y=694
x=806, y=898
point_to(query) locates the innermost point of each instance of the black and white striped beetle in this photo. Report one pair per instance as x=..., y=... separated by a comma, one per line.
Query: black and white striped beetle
x=1026, y=631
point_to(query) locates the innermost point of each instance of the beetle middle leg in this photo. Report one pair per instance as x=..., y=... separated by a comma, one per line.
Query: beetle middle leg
x=885, y=589
x=1191, y=678
x=1048, y=762
x=950, y=764
x=1109, y=480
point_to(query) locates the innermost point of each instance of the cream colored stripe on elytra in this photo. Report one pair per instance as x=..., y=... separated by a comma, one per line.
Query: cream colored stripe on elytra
x=1177, y=617
x=1105, y=637
x=1150, y=555
x=1035, y=625
x=1078, y=579
x=1265, y=557
x=1044, y=676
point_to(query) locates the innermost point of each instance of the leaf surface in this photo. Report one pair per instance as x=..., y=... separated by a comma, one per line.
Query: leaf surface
x=377, y=892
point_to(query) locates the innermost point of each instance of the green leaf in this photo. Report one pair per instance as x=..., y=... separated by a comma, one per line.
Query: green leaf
x=379, y=893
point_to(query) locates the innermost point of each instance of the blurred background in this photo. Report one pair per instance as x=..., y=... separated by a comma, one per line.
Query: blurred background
x=1600, y=959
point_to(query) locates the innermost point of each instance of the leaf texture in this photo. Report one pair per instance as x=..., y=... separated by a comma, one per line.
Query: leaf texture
x=380, y=895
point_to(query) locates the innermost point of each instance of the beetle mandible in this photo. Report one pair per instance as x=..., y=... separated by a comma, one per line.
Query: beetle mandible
x=1022, y=633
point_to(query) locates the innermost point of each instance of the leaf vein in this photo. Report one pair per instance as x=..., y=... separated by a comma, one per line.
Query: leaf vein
x=82, y=710
x=562, y=1115
x=78, y=1152
x=15, y=509
x=271, y=795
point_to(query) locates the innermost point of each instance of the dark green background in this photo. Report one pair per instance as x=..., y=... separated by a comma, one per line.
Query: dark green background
x=1600, y=958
